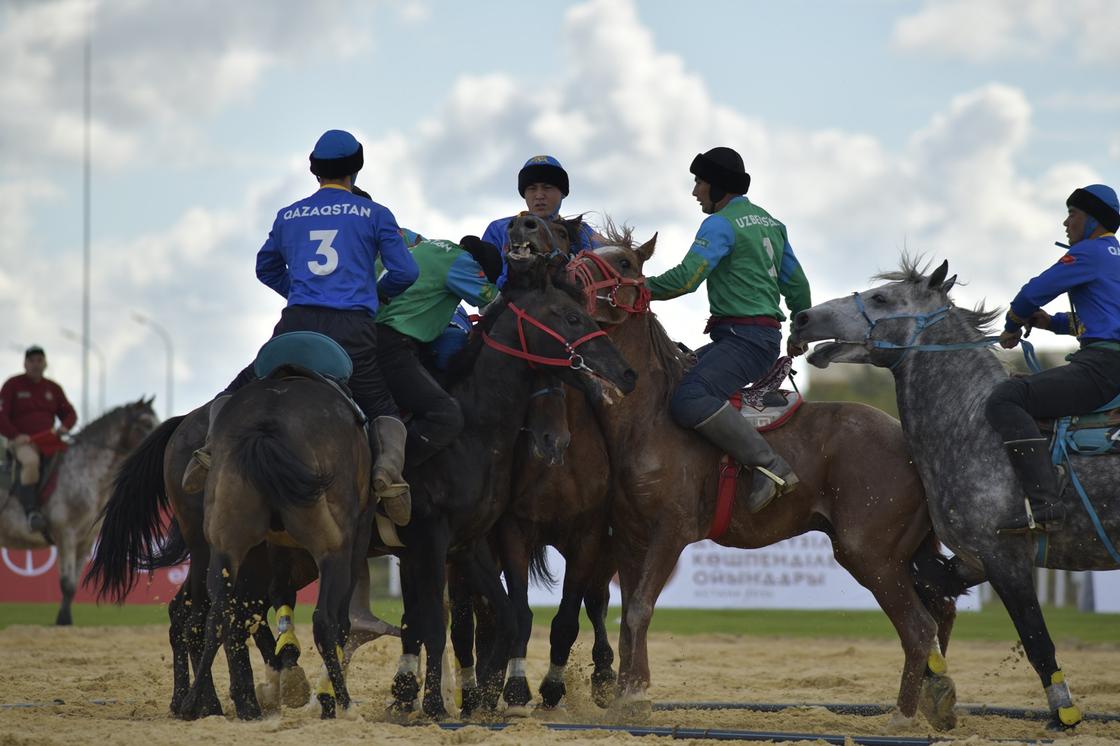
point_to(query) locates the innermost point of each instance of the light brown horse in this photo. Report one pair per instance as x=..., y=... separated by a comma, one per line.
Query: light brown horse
x=857, y=486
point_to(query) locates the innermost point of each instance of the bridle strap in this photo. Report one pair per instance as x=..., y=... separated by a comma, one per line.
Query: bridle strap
x=579, y=269
x=574, y=359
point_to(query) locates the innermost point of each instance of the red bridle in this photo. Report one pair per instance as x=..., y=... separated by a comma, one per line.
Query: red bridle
x=580, y=271
x=574, y=359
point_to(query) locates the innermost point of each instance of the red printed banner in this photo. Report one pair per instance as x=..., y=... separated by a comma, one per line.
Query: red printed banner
x=32, y=576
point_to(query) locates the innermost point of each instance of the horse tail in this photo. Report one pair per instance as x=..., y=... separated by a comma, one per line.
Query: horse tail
x=266, y=462
x=935, y=578
x=539, y=571
x=173, y=550
x=132, y=517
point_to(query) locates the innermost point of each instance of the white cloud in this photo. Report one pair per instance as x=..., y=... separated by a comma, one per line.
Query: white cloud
x=1009, y=29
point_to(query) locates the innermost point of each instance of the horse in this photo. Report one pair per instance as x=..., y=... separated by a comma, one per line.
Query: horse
x=664, y=485
x=944, y=371
x=72, y=510
x=461, y=492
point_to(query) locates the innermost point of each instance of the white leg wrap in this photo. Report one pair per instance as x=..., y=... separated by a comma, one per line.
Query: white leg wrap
x=516, y=668
x=1057, y=695
x=467, y=677
x=409, y=664
x=555, y=673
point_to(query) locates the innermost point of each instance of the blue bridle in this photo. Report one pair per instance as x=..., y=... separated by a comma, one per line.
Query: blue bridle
x=923, y=321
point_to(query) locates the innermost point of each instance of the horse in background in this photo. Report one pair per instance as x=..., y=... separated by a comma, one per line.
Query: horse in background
x=944, y=371
x=870, y=502
x=82, y=473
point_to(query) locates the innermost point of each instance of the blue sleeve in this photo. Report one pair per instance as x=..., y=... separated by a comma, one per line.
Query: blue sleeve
x=713, y=242
x=272, y=268
x=1059, y=324
x=400, y=268
x=497, y=233
x=466, y=279
x=1077, y=267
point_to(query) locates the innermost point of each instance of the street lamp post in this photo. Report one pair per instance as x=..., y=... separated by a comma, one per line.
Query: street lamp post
x=87, y=345
x=170, y=345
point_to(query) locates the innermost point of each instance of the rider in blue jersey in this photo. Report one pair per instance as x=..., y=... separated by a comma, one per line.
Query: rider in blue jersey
x=320, y=255
x=1090, y=273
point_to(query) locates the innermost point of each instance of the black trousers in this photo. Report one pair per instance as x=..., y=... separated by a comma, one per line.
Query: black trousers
x=1091, y=380
x=356, y=331
x=436, y=417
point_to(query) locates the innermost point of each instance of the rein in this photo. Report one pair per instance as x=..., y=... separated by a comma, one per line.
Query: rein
x=580, y=270
x=574, y=359
x=922, y=322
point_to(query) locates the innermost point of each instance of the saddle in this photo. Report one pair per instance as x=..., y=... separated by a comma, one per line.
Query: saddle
x=763, y=403
x=309, y=355
x=1094, y=434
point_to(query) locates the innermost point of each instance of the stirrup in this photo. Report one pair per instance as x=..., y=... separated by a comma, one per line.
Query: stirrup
x=36, y=521
x=1032, y=525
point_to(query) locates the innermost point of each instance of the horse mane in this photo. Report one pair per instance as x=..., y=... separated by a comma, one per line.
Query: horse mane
x=667, y=355
x=101, y=427
x=618, y=234
x=914, y=269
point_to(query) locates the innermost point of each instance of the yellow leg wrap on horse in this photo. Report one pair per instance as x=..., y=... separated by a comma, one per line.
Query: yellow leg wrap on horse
x=287, y=629
x=1057, y=678
x=325, y=687
x=1069, y=715
x=937, y=664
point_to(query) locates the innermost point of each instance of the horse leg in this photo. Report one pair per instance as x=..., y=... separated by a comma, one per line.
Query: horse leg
x=178, y=614
x=240, y=621
x=364, y=626
x=431, y=571
x=660, y=558
x=294, y=688
x=219, y=584
x=1012, y=580
x=596, y=601
x=406, y=683
x=334, y=586
x=462, y=639
x=629, y=571
x=515, y=565
x=68, y=555
x=485, y=578
x=890, y=581
x=485, y=640
x=198, y=605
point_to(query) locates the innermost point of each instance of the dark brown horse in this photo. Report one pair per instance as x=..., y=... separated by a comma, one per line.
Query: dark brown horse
x=868, y=500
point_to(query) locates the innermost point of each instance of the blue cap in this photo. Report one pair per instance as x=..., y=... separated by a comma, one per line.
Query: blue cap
x=1100, y=204
x=337, y=153
x=542, y=169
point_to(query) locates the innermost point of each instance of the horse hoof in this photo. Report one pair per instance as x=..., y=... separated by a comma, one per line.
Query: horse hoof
x=516, y=692
x=433, y=707
x=405, y=688
x=937, y=702
x=295, y=689
x=898, y=721
x=472, y=700
x=248, y=710
x=603, y=687
x=552, y=692
x=326, y=704
x=1065, y=719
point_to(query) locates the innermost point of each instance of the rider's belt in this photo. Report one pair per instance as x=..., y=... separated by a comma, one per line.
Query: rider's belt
x=715, y=321
x=1100, y=344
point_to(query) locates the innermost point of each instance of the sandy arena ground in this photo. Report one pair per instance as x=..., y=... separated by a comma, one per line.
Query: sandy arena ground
x=131, y=667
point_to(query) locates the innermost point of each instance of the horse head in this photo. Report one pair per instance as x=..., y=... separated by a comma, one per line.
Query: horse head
x=611, y=276
x=550, y=328
x=878, y=325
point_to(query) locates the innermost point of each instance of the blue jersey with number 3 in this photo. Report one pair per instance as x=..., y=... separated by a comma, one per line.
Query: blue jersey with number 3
x=321, y=252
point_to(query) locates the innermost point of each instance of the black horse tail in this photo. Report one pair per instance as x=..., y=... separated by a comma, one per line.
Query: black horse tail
x=266, y=461
x=935, y=578
x=539, y=571
x=132, y=518
x=173, y=550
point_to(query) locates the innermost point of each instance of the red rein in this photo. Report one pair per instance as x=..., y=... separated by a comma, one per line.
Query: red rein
x=574, y=359
x=580, y=270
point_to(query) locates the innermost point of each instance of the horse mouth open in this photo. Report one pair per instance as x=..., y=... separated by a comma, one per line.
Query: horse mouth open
x=520, y=251
x=825, y=353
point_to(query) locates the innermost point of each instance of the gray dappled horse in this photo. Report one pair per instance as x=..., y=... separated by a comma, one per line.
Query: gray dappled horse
x=72, y=512
x=969, y=483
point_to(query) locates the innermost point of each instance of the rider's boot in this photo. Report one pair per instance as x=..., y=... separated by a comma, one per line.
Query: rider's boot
x=28, y=496
x=772, y=475
x=1030, y=458
x=387, y=439
x=194, y=476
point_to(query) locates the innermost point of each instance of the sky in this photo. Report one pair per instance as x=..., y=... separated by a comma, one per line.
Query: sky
x=952, y=128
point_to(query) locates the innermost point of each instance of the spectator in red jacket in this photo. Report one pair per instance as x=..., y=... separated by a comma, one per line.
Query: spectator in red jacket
x=29, y=406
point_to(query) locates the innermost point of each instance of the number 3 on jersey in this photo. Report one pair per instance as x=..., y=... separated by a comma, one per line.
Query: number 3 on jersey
x=329, y=262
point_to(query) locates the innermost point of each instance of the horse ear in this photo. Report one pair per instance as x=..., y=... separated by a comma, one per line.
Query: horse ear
x=645, y=251
x=948, y=284
x=938, y=276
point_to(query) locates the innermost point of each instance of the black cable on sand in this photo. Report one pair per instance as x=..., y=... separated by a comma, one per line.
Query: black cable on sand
x=1017, y=713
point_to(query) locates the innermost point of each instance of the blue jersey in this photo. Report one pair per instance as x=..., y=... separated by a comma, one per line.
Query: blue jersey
x=497, y=233
x=321, y=251
x=1090, y=273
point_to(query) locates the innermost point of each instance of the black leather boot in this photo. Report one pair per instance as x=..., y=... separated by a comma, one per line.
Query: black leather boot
x=1043, y=510
x=771, y=475
x=28, y=496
